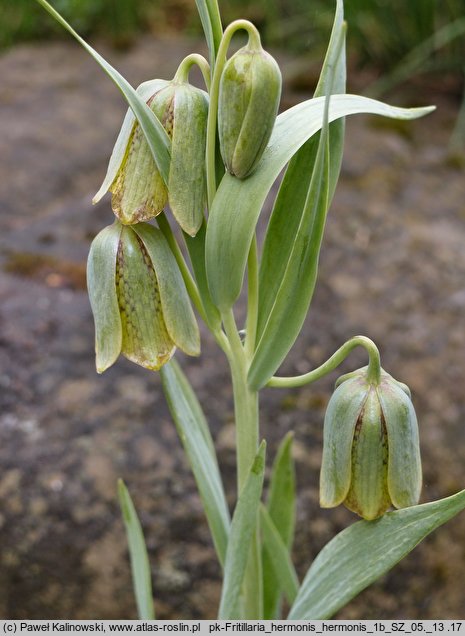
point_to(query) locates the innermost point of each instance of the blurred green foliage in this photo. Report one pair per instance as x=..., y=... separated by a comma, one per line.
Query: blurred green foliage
x=119, y=20
x=382, y=32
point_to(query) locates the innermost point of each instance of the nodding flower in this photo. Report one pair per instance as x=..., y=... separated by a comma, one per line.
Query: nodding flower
x=138, y=190
x=371, y=456
x=139, y=301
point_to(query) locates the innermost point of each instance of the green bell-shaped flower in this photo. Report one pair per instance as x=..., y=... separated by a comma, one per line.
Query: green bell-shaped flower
x=371, y=456
x=138, y=298
x=250, y=90
x=138, y=190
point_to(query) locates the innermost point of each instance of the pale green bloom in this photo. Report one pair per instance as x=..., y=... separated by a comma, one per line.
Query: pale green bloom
x=371, y=456
x=138, y=190
x=138, y=297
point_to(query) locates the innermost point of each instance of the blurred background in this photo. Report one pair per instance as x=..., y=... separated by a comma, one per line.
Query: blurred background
x=393, y=268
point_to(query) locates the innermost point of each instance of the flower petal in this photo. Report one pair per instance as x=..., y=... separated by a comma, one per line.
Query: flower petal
x=404, y=467
x=368, y=494
x=146, y=340
x=341, y=417
x=177, y=311
x=101, y=271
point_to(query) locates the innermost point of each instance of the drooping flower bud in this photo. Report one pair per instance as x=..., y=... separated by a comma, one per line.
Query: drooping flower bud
x=138, y=298
x=371, y=456
x=250, y=90
x=138, y=190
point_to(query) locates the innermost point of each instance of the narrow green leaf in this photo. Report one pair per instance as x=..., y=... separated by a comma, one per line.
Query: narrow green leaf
x=281, y=509
x=290, y=202
x=195, y=436
x=140, y=566
x=237, y=204
x=360, y=554
x=101, y=285
x=211, y=22
x=196, y=248
x=283, y=569
x=282, y=497
x=299, y=278
x=242, y=528
x=156, y=135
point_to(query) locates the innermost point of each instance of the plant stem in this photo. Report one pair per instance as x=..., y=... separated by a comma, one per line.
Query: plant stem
x=373, y=371
x=247, y=437
x=245, y=402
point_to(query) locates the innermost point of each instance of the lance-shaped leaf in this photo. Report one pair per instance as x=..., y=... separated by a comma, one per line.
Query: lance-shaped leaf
x=211, y=22
x=195, y=436
x=299, y=277
x=242, y=529
x=154, y=132
x=290, y=203
x=237, y=204
x=281, y=511
x=284, y=574
x=140, y=566
x=196, y=248
x=362, y=553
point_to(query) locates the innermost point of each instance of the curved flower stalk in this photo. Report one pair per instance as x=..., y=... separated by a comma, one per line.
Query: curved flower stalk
x=139, y=301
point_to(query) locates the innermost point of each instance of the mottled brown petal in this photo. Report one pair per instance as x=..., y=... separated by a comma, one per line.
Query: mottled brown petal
x=138, y=190
x=145, y=338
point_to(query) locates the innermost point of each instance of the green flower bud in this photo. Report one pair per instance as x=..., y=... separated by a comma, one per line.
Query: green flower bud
x=138, y=190
x=371, y=456
x=138, y=298
x=250, y=90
